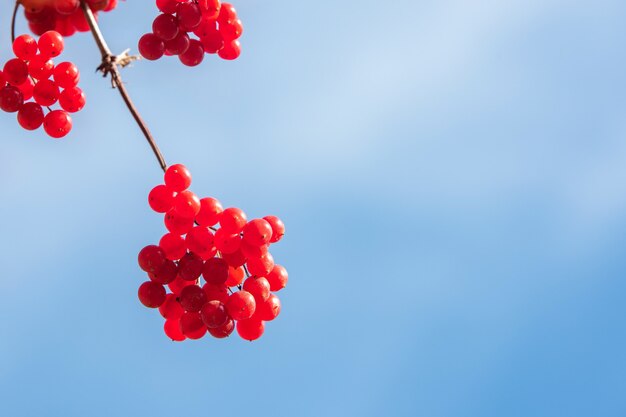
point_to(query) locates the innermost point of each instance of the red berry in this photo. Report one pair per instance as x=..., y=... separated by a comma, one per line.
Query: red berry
x=224, y=330
x=192, y=326
x=151, y=258
x=210, y=210
x=231, y=50
x=250, y=329
x=178, y=284
x=257, y=232
x=171, y=308
x=258, y=287
x=193, y=55
x=212, y=41
x=79, y=21
x=231, y=30
x=167, y=6
x=173, y=245
x=11, y=99
x=51, y=44
x=278, y=228
x=277, y=278
x=29, y=116
x=165, y=26
x=40, y=67
x=189, y=15
x=178, y=45
x=210, y=8
x=177, y=177
x=165, y=274
x=46, y=92
x=214, y=314
x=241, y=305
x=66, y=75
x=151, y=46
x=233, y=220
x=251, y=251
x=235, y=276
x=215, y=271
x=199, y=240
x=161, y=199
x=261, y=266
x=57, y=123
x=192, y=298
x=151, y=294
x=269, y=309
x=190, y=267
x=25, y=47
x=72, y=99
x=227, y=13
x=27, y=89
x=15, y=71
x=176, y=223
x=66, y=6
x=173, y=331
x=226, y=242
x=216, y=292
x=235, y=259
x=187, y=204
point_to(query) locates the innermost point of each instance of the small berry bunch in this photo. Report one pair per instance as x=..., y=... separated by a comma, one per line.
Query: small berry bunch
x=63, y=16
x=238, y=270
x=216, y=26
x=29, y=76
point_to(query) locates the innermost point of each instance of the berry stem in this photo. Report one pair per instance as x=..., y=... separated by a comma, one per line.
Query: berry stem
x=108, y=66
x=17, y=6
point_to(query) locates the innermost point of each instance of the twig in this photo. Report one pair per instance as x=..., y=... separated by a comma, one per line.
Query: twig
x=109, y=66
x=17, y=6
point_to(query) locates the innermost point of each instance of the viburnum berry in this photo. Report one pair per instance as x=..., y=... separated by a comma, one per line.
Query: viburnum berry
x=190, y=267
x=187, y=204
x=233, y=220
x=277, y=278
x=258, y=287
x=165, y=26
x=66, y=7
x=25, y=47
x=234, y=259
x=15, y=71
x=231, y=50
x=171, y=308
x=216, y=292
x=278, y=228
x=177, y=177
x=72, y=99
x=252, y=251
x=212, y=41
x=66, y=75
x=192, y=298
x=215, y=271
x=194, y=54
x=173, y=245
x=27, y=89
x=261, y=266
x=257, y=232
x=241, y=305
x=214, y=314
x=210, y=211
x=57, y=123
x=199, y=240
x=228, y=13
x=250, y=329
x=51, y=44
x=30, y=116
x=178, y=284
x=178, y=45
x=151, y=294
x=173, y=331
x=227, y=242
x=269, y=309
x=46, y=92
x=151, y=47
x=40, y=67
x=165, y=274
x=11, y=99
x=167, y=6
x=224, y=330
x=189, y=15
x=176, y=223
x=151, y=258
x=192, y=326
x=231, y=30
x=161, y=199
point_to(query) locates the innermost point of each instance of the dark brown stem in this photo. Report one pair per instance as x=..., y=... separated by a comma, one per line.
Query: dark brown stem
x=17, y=6
x=109, y=66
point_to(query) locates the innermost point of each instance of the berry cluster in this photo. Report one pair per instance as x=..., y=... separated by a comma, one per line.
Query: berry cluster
x=238, y=270
x=216, y=26
x=29, y=76
x=63, y=16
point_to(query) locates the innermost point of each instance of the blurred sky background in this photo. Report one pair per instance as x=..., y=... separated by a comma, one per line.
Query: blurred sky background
x=453, y=179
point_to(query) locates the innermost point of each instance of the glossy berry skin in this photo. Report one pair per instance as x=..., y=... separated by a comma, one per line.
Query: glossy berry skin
x=235, y=259
x=210, y=211
x=230, y=51
x=57, y=123
x=177, y=177
x=171, y=308
x=30, y=116
x=228, y=13
x=187, y=204
x=66, y=75
x=161, y=199
x=46, y=92
x=269, y=309
x=173, y=331
x=235, y=276
x=173, y=245
x=165, y=26
x=11, y=99
x=278, y=228
x=178, y=45
x=51, y=44
x=25, y=47
x=277, y=278
x=178, y=284
x=190, y=267
x=15, y=71
x=257, y=232
x=258, y=287
x=216, y=292
x=261, y=266
x=214, y=314
x=151, y=47
x=151, y=294
x=151, y=258
x=27, y=89
x=251, y=251
x=167, y=6
x=241, y=305
x=227, y=242
x=40, y=67
x=223, y=331
x=215, y=271
x=199, y=240
x=178, y=224
x=192, y=326
x=231, y=30
x=192, y=298
x=250, y=329
x=165, y=274
x=72, y=99
x=212, y=41
x=233, y=220
x=189, y=15
x=194, y=54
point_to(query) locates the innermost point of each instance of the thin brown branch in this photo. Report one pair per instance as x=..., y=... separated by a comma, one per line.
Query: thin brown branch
x=17, y=6
x=109, y=66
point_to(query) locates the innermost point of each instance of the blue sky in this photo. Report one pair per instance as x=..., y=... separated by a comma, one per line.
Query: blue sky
x=451, y=174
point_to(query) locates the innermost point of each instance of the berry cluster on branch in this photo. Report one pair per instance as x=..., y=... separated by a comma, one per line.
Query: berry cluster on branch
x=63, y=16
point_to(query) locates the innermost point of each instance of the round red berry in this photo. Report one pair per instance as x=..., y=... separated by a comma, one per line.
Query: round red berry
x=192, y=326
x=161, y=199
x=173, y=245
x=278, y=228
x=269, y=309
x=187, y=204
x=214, y=314
x=151, y=294
x=215, y=271
x=165, y=274
x=176, y=223
x=193, y=55
x=15, y=71
x=233, y=220
x=190, y=267
x=57, y=123
x=30, y=116
x=235, y=276
x=224, y=330
x=173, y=331
x=210, y=210
x=178, y=45
x=40, y=67
x=151, y=258
x=66, y=75
x=257, y=232
x=250, y=329
x=171, y=308
x=151, y=47
x=189, y=15
x=230, y=51
x=51, y=44
x=261, y=266
x=277, y=278
x=177, y=177
x=199, y=240
x=25, y=47
x=165, y=26
x=11, y=99
x=241, y=305
x=46, y=92
x=258, y=287
x=226, y=242
x=192, y=298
